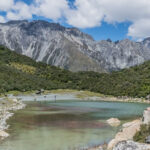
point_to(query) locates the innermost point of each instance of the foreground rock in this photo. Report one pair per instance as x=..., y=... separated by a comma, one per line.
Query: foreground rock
x=7, y=105
x=130, y=145
x=127, y=133
x=113, y=122
x=123, y=139
x=3, y=134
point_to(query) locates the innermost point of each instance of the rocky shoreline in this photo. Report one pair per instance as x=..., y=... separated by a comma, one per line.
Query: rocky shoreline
x=66, y=94
x=7, y=107
x=124, y=138
x=127, y=133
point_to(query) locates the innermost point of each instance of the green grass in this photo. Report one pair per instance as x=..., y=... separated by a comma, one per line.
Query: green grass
x=61, y=91
x=78, y=94
x=85, y=94
x=16, y=93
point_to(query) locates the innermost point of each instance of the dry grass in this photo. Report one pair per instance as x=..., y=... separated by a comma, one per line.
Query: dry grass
x=79, y=94
x=16, y=93
x=85, y=94
x=61, y=91
x=24, y=68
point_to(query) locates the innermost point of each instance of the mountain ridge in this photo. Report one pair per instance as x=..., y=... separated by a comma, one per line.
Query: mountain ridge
x=71, y=49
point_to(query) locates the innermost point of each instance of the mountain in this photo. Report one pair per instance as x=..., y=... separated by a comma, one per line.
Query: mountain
x=71, y=49
x=21, y=73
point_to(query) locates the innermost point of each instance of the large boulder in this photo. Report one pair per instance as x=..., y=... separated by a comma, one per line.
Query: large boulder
x=131, y=145
x=3, y=134
x=147, y=140
x=113, y=122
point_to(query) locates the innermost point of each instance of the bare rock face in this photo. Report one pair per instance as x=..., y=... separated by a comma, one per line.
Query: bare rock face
x=130, y=145
x=71, y=49
x=50, y=43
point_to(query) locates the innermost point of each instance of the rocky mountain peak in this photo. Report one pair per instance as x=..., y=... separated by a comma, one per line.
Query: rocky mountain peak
x=70, y=48
x=78, y=33
x=146, y=39
x=15, y=22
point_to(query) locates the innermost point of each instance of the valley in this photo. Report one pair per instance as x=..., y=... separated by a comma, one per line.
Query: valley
x=71, y=85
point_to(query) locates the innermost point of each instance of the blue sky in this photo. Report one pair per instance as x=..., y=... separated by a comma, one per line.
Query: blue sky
x=103, y=19
x=117, y=31
x=105, y=31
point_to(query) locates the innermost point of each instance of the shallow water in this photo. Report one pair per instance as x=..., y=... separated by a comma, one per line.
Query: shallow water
x=66, y=125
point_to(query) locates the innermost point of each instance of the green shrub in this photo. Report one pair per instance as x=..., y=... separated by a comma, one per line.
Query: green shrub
x=141, y=135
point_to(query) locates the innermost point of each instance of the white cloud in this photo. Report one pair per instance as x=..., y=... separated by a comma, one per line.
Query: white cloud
x=90, y=13
x=6, y=4
x=125, y=10
x=2, y=19
x=85, y=13
x=140, y=29
x=52, y=9
x=19, y=11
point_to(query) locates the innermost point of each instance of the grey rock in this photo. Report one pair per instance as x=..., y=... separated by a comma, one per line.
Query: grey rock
x=146, y=116
x=148, y=97
x=147, y=140
x=70, y=48
x=131, y=145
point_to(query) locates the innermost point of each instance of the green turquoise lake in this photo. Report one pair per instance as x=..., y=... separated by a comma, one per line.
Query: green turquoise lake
x=66, y=125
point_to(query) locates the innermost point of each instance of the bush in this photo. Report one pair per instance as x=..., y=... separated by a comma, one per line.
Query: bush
x=141, y=135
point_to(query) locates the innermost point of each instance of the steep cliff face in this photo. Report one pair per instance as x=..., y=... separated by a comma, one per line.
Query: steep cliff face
x=70, y=48
x=123, y=54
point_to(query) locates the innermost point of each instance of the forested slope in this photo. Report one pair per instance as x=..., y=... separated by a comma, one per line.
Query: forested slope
x=18, y=72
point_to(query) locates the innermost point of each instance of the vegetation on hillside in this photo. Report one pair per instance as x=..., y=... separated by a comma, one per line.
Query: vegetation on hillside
x=18, y=72
x=141, y=135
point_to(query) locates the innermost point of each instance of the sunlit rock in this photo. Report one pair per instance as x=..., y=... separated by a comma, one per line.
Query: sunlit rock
x=3, y=134
x=113, y=122
x=127, y=133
